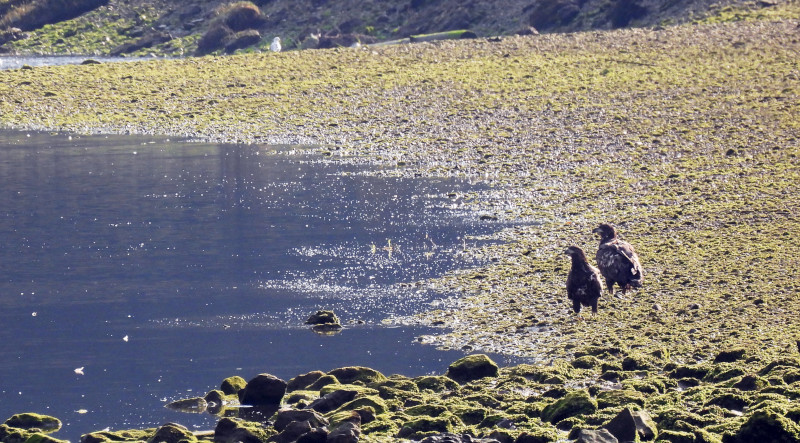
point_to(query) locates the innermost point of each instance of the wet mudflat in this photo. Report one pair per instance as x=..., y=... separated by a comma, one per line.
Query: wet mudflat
x=136, y=270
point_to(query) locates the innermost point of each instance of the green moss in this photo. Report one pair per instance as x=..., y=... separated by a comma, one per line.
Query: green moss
x=31, y=420
x=574, y=403
x=357, y=374
x=436, y=383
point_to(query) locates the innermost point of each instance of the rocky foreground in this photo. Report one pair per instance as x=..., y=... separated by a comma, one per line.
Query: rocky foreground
x=602, y=395
x=686, y=138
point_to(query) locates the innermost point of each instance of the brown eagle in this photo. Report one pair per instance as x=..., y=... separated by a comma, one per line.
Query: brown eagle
x=617, y=260
x=583, y=282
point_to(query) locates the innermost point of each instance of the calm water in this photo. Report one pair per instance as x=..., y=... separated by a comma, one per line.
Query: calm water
x=15, y=62
x=161, y=268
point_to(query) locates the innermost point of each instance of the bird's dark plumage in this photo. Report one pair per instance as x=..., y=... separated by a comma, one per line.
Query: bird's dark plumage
x=617, y=260
x=583, y=282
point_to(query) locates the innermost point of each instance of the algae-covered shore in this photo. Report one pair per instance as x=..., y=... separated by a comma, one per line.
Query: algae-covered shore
x=685, y=138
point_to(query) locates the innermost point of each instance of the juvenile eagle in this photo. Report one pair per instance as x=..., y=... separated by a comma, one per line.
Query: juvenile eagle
x=583, y=281
x=617, y=260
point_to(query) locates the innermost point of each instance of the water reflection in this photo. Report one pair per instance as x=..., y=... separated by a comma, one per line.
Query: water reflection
x=161, y=268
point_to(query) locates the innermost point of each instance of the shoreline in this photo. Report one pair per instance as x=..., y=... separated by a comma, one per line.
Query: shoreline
x=686, y=138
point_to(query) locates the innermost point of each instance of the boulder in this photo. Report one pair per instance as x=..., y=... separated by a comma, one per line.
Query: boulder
x=436, y=383
x=574, y=403
x=232, y=385
x=595, y=436
x=537, y=436
x=41, y=422
x=285, y=417
x=241, y=40
x=472, y=367
x=751, y=383
x=333, y=400
x=352, y=374
x=765, y=426
x=148, y=40
x=347, y=431
x=303, y=381
x=213, y=39
x=291, y=432
x=243, y=15
x=424, y=426
x=631, y=425
x=263, y=390
x=233, y=430
x=172, y=433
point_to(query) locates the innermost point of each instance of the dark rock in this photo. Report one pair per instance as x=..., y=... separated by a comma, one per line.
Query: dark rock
x=729, y=356
x=332, y=401
x=214, y=39
x=242, y=16
x=463, y=438
x=765, y=426
x=347, y=431
x=595, y=436
x=318, y=435
x=241, y=40
x=291, y=432
x=232, y=430
x=34, y=421
x=322, y=382
x=172, y=433
x=90, y=61
x=574, y=403
x=263, y=390
x=750, y=383
x=632, y=426
x=546, y=15
x=436, y=383
x=284, y=418
x=322, y=318
x=148, y=40
x=623, y=12
x=344, y=40
x=352, y=374
x=232, y=385
x=472, y=367
x=303, y=381
x=539, y=436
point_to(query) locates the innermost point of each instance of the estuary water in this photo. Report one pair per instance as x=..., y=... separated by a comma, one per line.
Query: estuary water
x=136, y=271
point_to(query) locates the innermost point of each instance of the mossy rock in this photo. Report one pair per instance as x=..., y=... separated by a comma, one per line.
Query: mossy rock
x=730, y=356
x=780, y=366
x=539, y=435
x=750, y=383
x=429, y=410
x=380, y=427
x=172, y=433
x=38, y=437
x=575, y=403
x=468, y=414
x=300, y=398
x=357, y=374
x=472, y=367
x=117, y=436
x=691, y=371
x=670, y=436
x=765, y=426
x=723, y=371
x=423, y=426
x=436, y=383
x=303, y=381
x=361, y=391
x=29, y=420
x=586, y=362
x=730, y=401
x=322, y=382
x=323, y=318
x=376, y=403
x=618, y=398
x=679, y=419
x=638, y=362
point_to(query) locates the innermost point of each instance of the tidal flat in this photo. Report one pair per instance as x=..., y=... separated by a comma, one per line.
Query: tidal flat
x=686, y=138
